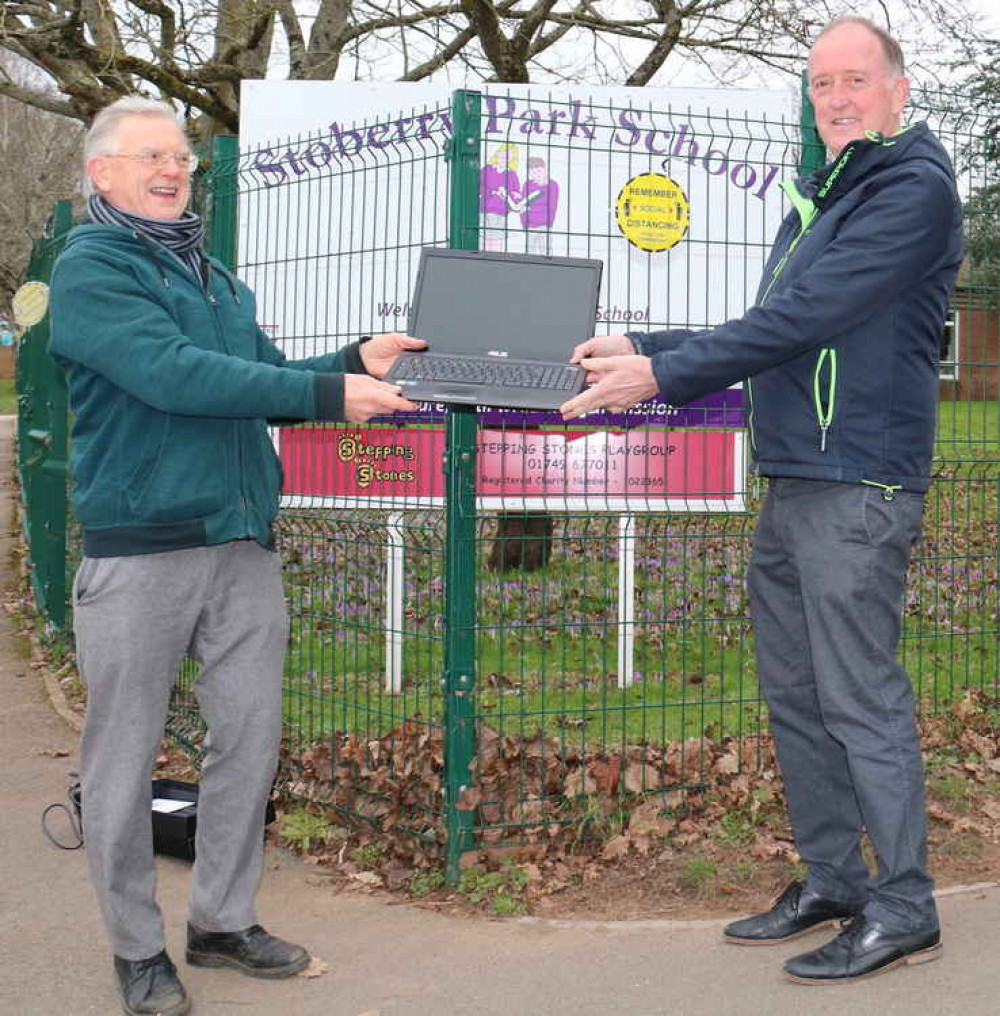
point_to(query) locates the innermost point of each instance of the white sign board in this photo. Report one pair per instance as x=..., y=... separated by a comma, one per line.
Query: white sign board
x=676, y=190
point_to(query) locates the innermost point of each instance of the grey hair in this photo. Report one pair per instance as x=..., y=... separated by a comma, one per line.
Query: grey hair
x=891, y=49
x=100, y=138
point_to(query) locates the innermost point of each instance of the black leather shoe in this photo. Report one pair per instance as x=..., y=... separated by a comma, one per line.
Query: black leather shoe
x=797, y=911
x=251, y=951
x=863, y=949
x=151, y=986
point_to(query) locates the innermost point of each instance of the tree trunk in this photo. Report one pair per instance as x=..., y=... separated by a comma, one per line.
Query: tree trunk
x=523, y=540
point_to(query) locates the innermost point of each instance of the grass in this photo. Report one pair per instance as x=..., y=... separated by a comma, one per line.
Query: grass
x=501, y=892
x=717, y=692
x=8, y=397
x=423, y=883
x=306, y=829
x=968, y=429
x=962, y=846
x=953, y=790
x=698, y=875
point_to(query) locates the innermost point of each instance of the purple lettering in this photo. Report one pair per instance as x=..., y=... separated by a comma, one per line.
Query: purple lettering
x=769, y=176
x=324, y=154
x=723, y=164
x=495, y=114
x=682, y=140
x=339, y=136
x=265, y=167
x=531, y=122
x=422, y=121
x=650, y=136
x=290, y=158
x=581, y=125
x=376, y=133
x=747, y=172
x=623, y=119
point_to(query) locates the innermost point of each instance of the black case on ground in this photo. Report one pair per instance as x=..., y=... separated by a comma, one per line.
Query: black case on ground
x=173, y=832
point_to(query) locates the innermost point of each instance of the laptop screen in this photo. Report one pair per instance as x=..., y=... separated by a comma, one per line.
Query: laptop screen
x=524, y=305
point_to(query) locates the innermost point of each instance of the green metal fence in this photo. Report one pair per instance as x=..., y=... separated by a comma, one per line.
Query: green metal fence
x=42, y=442
x=474, y=661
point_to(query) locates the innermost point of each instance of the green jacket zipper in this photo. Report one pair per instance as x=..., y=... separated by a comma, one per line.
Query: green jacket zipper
x=807, y=212
x=825, y=397
x=237, y=424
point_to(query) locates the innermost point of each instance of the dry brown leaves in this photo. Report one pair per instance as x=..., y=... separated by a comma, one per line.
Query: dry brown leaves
x=563, y=814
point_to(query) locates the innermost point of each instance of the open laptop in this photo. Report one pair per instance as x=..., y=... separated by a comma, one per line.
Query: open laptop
x=501, y=328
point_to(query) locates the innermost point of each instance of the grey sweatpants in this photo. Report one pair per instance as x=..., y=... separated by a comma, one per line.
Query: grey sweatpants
x=826, y=582
x=135, y=620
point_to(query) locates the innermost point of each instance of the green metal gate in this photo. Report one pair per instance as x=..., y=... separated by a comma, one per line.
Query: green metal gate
x=42, y=440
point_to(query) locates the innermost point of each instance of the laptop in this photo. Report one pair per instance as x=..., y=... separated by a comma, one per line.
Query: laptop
x=501, y=328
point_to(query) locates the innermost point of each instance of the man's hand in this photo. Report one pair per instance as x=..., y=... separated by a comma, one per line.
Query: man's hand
x=616, y=383
x=364, y=397
x=379, y=353
x=603, y=345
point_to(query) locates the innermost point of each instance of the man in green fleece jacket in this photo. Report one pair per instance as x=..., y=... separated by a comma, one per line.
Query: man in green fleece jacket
x=176, y=487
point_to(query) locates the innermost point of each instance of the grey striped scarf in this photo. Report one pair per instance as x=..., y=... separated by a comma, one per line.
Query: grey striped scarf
x=182, y=237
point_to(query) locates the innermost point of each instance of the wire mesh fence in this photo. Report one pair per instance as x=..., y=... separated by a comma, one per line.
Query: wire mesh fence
x=497, y=616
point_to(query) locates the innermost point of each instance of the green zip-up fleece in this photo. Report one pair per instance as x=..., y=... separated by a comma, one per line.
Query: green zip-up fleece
x=171, y=384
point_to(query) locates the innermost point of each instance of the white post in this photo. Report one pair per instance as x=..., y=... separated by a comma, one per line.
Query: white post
x=394, y=604
x=626, y=601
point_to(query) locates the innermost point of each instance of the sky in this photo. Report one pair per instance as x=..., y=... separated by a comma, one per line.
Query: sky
x=988, y=8
x=694, y=75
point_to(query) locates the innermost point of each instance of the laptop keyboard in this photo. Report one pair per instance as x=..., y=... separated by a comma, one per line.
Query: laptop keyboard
x=494, y=371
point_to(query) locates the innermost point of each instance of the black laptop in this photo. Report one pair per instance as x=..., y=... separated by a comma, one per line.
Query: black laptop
x=500, y=326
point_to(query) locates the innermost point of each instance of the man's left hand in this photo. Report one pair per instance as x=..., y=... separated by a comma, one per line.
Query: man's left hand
x=616, y=383
x=379, y=353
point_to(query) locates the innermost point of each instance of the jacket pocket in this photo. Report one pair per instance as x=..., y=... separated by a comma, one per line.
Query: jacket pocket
x=825, y=392
x=183, y=477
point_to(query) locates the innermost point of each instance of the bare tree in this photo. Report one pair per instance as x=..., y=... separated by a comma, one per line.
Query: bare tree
x=38, y=151
x=196, y=52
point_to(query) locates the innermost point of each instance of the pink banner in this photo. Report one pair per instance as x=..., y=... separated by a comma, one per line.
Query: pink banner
x=406, y=463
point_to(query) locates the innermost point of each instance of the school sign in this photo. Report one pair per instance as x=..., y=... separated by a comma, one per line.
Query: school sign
x=676, y=190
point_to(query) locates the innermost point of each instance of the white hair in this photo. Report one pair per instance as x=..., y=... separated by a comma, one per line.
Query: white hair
x=100, y=138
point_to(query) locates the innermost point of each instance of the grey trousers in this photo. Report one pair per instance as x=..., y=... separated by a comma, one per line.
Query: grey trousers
x=135, y=620
x=826, y=582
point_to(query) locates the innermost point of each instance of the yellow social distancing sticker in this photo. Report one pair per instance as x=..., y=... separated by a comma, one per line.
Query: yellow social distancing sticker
x=653, y=212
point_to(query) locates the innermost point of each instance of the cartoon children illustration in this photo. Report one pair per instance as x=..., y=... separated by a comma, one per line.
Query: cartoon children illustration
x=538, y=204
x=499, y=193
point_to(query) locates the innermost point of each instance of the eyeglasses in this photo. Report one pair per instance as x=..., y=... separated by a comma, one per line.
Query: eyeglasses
x=185, y=160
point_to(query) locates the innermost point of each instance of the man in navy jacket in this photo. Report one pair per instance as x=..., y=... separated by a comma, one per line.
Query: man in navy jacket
x=841, y=349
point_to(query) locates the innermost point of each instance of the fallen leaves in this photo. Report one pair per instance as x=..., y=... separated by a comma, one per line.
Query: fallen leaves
x=567, y=815
x=316, y=968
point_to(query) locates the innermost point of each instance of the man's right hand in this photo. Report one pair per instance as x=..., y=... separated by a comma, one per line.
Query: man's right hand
x=603, y=345
x=364, y=397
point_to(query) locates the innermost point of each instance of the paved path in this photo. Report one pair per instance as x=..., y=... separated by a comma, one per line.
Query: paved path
x=395, y=960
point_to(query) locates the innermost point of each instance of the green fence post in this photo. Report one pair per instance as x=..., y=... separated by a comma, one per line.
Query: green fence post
x=43, y=411
x=221, y=190
x=813, y=150
x=460, y=521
